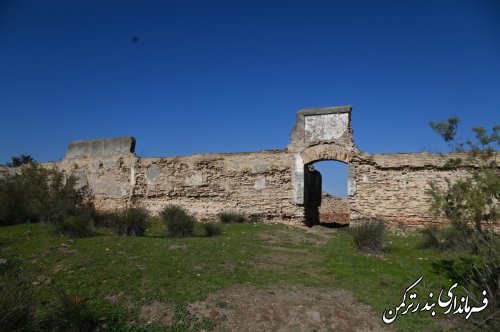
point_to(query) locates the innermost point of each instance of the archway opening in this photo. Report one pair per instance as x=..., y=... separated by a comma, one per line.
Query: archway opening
x=326, y=193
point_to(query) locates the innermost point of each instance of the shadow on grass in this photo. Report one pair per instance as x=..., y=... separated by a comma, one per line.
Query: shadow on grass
x=333, y=225
x=458, y=270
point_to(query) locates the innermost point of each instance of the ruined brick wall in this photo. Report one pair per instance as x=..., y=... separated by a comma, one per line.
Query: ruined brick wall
x=256, y=183
x=4, y=171
x=392, y=187
x=270, y=184
x=334, y=209
x=8, y=171
x=386, y=186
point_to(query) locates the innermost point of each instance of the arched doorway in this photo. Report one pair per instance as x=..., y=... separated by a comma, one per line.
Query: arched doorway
x=320, y=134
x=326, y=190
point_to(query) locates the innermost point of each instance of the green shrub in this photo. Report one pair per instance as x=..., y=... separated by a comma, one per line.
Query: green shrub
x=368, y=237
x=486, y=277
x=478, y=273
x=39, y=194
x=211, y=229
x=254, y=218
x=232, y=218
x=130, y=222
x=74, y=227
x=103, y=219
x=17, y=306
x=471, y=205
x=447, y=239
x=430, y=238
x=179, y=223
x=471, y=201
x=72, y=313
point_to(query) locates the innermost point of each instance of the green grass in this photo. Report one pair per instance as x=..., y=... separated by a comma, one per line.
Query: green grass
x=181, y=270
x=380, y=281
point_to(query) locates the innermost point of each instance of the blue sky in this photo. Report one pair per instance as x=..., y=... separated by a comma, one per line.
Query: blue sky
x=228, y=76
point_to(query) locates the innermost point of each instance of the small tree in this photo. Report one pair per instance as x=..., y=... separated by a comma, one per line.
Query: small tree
x=40, y=194
x=21, y=160
x=470, y=203
x=474, y=200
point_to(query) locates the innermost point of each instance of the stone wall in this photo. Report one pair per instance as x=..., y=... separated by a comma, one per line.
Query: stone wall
x=392, y=187
x=7, y=171
x=334, y=210
x=105, y=147
x=270, y=184
x=4, y=171
x=256, y=183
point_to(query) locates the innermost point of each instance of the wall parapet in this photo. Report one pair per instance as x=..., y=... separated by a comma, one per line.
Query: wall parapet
x=97, y=148
x=417, y=160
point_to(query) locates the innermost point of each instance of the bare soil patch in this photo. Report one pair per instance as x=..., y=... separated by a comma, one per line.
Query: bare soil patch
x=157, y=312
x=297, y=308
x=311, y=236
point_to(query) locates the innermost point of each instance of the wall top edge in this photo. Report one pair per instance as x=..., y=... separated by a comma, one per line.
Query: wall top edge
x=325, y=110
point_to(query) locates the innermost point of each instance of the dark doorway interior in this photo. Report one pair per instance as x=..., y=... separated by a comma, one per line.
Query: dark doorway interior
x=325, y=194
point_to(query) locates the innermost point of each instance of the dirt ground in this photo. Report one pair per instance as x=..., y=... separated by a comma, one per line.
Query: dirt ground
x=245, y=308
x=279, y=308
x=287, y=308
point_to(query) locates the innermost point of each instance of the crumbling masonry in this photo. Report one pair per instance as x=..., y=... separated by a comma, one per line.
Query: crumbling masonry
x=275, y=185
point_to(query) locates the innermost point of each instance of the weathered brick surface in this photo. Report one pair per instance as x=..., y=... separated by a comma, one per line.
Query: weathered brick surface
x=388, y=186
x=4, y=171
x=8, y=171
x=270, y=184
x=254, y=183
x=334, y=209
x=393, y=187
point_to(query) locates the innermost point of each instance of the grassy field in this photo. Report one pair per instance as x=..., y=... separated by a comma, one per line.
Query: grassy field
x=119, y=278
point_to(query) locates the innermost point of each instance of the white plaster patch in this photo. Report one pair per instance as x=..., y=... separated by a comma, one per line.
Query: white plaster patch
x=260, y=183
x=325, y=127
x=298, y=179
x=152, y=174
x=194, y=180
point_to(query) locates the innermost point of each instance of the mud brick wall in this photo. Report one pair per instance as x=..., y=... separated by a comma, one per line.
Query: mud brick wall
x=256, y=183
x=270, y=184
x=4, y=171
x=8, y=171
x=334, y=209
x=393, y=187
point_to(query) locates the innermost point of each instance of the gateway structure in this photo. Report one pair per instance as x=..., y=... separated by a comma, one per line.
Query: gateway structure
x=275, y=185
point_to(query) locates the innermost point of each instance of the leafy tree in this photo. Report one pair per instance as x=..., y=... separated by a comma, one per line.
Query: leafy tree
x=473, y=200
x=40, y=194
x=447, y=129
x=21, y=160
x=470, y=204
